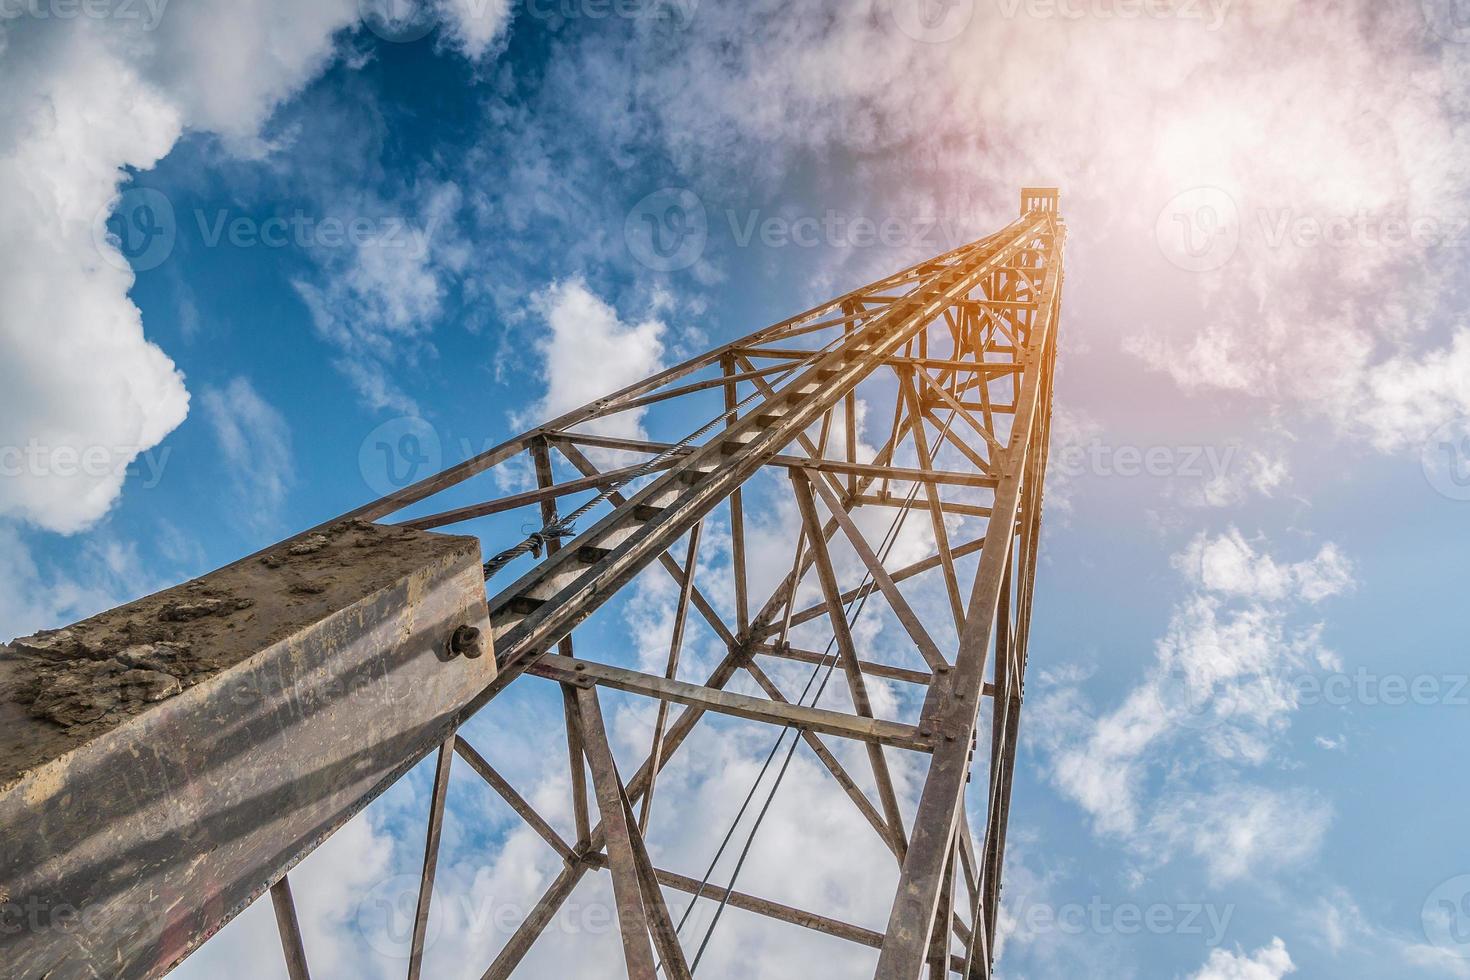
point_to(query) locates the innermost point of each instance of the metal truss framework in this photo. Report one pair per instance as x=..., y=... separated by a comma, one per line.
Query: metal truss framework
x=968, y=342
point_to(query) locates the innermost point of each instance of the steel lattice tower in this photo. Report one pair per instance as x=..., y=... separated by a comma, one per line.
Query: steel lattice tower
x=964, y=346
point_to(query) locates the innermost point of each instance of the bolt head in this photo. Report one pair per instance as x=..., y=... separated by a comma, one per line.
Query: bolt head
x=465, y=641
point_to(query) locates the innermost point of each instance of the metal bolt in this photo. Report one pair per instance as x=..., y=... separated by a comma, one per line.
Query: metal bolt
x=580, y=667
x=465, y=641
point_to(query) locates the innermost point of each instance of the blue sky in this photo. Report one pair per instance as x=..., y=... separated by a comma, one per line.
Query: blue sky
x=345, y=234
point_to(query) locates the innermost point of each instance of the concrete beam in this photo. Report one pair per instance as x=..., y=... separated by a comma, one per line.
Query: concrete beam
x=163, y=763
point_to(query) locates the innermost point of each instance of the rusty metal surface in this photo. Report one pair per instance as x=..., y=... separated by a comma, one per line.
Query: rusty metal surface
x=165, y=762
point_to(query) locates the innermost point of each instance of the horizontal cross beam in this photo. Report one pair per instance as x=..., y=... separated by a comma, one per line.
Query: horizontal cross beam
x=872, y=730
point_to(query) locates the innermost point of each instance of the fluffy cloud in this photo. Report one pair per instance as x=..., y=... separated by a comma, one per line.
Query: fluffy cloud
x=1228, y=565
x=1267, y=963
x=1127, y=115
x=78, y=374
x=379, y=299
x=476, y=27
x=1260, y=472
x=87, y=97
x=589, y=351
x=1242, y=830
x=585, y=350
x=1222, y=680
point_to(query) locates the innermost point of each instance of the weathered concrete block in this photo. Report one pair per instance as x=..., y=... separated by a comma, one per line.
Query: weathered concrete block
x=163, y=762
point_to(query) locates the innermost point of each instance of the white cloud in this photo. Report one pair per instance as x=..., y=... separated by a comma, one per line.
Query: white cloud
x=77, y=372
x=1409, y=397
x=1152, y=108
x=476, y=27
x=1257, y=472
x=227, y=65
x=256, y=443
x=1222, y=680
x=1240, y=831
x=1228, y=565
x=1270, y=962
x=589, y=351
x=86, y=97
x=1222, y=677
x=382, y=295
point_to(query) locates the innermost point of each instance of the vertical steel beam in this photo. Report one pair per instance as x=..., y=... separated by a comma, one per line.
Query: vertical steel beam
x=676, y=646
x=737, y=513
x=290, y=929
x=618, y=824
x=431, y=857
x=541, y=458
